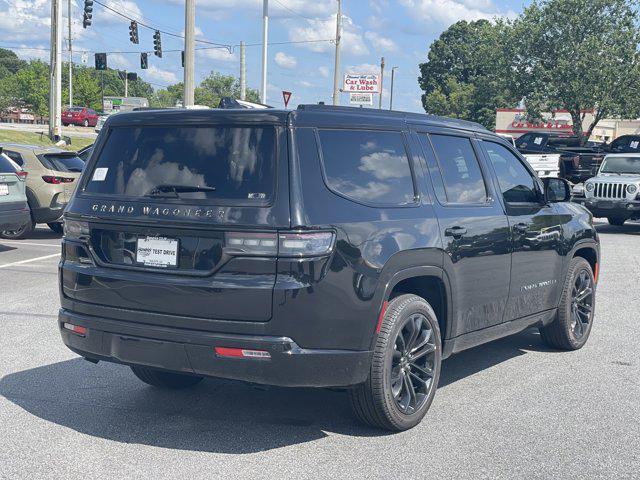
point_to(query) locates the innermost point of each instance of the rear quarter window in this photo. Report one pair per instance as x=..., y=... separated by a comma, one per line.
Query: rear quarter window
x=6, y=165
x=370, y=167
x=234, y=164
x=62, y=162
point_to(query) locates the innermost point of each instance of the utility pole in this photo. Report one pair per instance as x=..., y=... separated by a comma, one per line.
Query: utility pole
x=336, y=67
x=55, y=74
x=393, y=71
x=126, y=84
x=243, y=72
x=381, y=82
x=265, y=35
x=189, y=52
x=70, y=61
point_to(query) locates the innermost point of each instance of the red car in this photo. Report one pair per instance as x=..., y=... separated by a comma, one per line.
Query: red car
x=83, y=116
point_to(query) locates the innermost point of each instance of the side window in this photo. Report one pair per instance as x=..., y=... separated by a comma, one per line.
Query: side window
x=367, y=166
x=461, y=174
x=516, y=183
x=16, y=157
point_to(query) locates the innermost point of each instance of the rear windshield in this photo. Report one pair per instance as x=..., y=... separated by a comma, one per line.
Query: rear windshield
x=61, y=162
x=530, y=141
x=228, y=163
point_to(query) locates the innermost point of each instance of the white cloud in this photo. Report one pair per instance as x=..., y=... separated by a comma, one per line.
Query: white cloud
x=25, y=20
x=305, y=84
x=164, y=76
x=380, y=43
x=103, y=16
x=118, y=61
x=217, y=54
x=450, y=11
x=285, y=61
x=321, y=31
x=324, y=72
x=363, y=68
x=281, y=8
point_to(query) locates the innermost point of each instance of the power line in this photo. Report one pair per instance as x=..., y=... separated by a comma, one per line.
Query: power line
x=293, y=11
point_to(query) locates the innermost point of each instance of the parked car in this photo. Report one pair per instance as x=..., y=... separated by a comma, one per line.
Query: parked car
x=51, y=181
x=320, y=247
x=615, y=192
x=83, y=116
x=14, y=210
x=563, y=155
x=624, y=144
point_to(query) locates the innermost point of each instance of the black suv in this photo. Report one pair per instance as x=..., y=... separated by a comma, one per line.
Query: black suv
x=323, y=247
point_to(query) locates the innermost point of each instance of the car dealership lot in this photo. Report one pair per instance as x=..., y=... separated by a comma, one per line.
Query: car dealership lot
x=508, y=409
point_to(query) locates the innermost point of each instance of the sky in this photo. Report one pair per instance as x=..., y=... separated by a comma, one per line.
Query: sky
x=399, y=30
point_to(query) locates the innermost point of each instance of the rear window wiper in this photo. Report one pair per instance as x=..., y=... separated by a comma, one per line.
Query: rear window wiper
x=161, y=190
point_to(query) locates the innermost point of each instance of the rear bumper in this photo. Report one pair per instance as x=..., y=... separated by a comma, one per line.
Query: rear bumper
x=47, y=214
x=610, y=208
x=12, y=219
x=191, y=351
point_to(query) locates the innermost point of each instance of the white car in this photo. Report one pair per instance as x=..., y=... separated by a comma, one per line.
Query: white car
x=614, y=192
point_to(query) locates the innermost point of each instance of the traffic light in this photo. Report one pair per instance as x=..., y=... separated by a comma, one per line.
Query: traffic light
x=101, y=61
x=132, y=76
x=133, y=32
x=182, y=58
x=88, y=13
x=157, y=44
x=144, y=61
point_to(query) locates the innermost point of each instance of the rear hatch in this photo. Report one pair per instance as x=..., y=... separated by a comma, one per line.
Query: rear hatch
x=183, y=220
x=64, y=170
x=12, y=188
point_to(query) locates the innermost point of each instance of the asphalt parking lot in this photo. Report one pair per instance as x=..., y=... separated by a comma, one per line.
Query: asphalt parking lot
x=509, y=409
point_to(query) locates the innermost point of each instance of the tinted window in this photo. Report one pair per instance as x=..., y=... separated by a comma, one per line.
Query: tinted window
x=463, y=181
x=516, y=183
x=61, y=162
x=234, y=163
x=531, y=141
x=16, y=157
x=367, y=166
x=6, y=165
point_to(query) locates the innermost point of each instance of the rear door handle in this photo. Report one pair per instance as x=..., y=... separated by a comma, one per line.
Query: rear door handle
x=521, y=227
x=455, y=232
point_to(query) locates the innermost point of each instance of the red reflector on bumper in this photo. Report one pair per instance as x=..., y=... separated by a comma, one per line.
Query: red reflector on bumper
x=77, y=329
x=241, y=353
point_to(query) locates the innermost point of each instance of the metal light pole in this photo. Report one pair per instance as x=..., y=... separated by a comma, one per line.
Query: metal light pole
x=70, y=60
x=393, y=72
x=243, y=72
x=336, y=67
x=381, y=81
x=189, y=52
x=55, y=74
x=265, y=33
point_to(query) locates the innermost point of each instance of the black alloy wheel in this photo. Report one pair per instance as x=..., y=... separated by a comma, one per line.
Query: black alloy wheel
x=582, y=296
x=571, y=328
x=413, y=364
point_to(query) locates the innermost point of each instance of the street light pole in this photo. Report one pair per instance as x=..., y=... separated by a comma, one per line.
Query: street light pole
x=189, y=52
x=243, y=72
x=265, y=34
x=55, y=74
x=381, y=82
x=336, y=68
x=70, y=60
x=393, y=72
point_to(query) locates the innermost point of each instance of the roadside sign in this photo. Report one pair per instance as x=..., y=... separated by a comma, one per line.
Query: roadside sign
x=361, y=98
x=286, y=96
x=361, y=83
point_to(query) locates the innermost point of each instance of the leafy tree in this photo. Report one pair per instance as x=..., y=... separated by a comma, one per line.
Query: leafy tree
x=216, y=86
x=463, y=76
x=578, y=55
x=9, y=63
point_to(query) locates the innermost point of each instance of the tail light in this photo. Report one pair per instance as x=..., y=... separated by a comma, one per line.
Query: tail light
x=312, y=244
x=77, y=329
x=56, y=180
x=75, y=230
x=242, y=353
x=22, y=175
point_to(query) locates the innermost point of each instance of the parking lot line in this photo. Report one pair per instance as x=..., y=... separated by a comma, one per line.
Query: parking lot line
x=22, y=262
x=29, y=244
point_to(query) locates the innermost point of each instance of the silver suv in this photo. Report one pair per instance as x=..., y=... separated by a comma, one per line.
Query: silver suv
x=614, y=192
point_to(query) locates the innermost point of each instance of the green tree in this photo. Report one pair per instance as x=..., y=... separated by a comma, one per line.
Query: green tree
x=577, y=55
x=10, y=63
x=464, y=75
x=216, y=85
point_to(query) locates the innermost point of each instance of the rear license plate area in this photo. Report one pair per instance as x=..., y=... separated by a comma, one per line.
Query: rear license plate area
x=4, y=189
x=158, y=252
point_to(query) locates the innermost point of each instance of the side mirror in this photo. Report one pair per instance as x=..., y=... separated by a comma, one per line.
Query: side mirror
x=556, y=190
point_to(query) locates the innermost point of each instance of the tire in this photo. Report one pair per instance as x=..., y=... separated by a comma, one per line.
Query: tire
x=617, y=221
x=565, y=333
x=20, y=233
x=378, y=402
x=165, y=380
x=85, y=123
x=56, y=227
